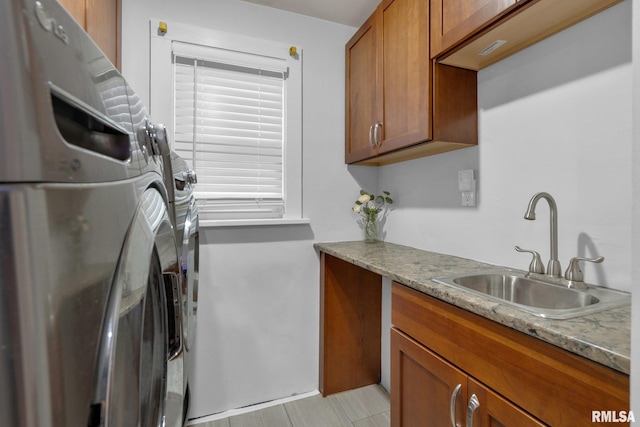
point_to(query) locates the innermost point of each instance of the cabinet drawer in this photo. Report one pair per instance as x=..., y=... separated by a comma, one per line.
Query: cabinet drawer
x=556, y=386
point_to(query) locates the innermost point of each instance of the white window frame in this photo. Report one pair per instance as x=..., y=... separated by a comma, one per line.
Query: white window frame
x=161, y=101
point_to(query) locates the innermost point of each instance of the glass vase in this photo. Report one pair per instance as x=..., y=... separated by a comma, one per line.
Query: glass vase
x=371, y=231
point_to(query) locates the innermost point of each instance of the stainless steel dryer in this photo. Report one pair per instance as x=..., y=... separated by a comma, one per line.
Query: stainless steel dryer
x=92, y=283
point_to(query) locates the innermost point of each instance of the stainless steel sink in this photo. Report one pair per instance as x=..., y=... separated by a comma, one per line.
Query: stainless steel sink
x=540, y=298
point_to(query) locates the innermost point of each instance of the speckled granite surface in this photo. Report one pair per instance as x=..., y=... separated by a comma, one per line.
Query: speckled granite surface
x=603, y=337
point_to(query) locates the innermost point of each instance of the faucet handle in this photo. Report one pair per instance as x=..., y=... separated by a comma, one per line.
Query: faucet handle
x=574, y=273
x=536, y=265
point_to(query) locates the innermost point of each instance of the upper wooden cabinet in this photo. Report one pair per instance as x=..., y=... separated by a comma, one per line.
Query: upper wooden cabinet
x=100, y=19
x=399, y=104
x=454, y=20
x=476, y=33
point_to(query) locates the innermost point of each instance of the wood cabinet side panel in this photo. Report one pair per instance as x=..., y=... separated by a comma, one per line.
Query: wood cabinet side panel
x=556, y=386
x=455, y=111
x=350, y=325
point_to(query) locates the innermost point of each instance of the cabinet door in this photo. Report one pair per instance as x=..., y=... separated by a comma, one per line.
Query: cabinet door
x=406, y=72
x=424, y=387
x=77, y=9
x=363, y=90
x=452, y=21
x=102, y=25
x=99, y=18
x=495, y=411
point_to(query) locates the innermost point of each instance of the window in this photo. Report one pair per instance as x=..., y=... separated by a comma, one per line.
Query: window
x=235, y=109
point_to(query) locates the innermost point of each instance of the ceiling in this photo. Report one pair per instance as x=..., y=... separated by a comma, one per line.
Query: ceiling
x=347, y=12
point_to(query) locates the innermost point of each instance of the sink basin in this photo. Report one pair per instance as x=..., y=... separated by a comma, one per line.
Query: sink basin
x=542, y=299
x=520, y=290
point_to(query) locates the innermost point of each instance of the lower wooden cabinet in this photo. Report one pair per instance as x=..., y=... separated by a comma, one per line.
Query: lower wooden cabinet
x=517, y=380
x=426, y=390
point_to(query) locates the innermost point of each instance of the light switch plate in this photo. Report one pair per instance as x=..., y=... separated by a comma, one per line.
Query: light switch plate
x=465, y=180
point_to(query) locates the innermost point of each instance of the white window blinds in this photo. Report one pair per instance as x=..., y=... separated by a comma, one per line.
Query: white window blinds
x=229, y=125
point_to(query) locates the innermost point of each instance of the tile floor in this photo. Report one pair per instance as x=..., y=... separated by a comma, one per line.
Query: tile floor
x=363, y=407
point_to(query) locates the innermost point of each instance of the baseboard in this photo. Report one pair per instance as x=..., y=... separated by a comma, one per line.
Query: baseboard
x=251, y=408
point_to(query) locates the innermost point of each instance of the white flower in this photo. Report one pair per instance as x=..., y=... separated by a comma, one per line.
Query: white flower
x=356, y=208
x=364, y=198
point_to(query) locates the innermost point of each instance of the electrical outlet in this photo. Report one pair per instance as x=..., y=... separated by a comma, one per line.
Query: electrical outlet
x=468, y=198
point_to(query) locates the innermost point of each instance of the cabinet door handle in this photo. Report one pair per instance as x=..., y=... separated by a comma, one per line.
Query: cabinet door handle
x=371, y=136
x=452, y=405
x=376, y=134
x=474, y=404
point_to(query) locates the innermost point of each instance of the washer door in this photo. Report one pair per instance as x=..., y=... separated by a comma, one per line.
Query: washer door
x=140, y=331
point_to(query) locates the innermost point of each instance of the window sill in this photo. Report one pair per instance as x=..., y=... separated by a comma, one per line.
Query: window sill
x=253, y=222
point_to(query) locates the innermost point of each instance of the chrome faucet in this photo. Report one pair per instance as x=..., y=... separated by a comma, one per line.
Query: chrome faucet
x=553, y=267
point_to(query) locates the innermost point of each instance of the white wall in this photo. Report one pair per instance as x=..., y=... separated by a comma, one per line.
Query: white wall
x=257, y=334
x=555, y=117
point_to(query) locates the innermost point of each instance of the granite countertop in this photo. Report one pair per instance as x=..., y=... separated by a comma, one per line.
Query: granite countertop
x=603, y=337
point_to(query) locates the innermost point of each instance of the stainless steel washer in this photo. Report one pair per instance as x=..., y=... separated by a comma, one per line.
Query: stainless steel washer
x=93, y=291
